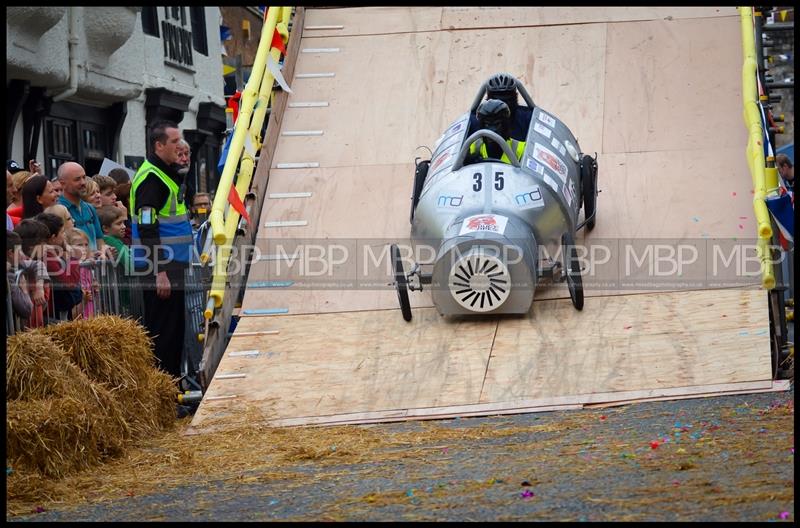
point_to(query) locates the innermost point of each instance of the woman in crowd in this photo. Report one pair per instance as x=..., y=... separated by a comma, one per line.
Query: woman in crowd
x=14, y=209
x=91, y=194
x=37, y=195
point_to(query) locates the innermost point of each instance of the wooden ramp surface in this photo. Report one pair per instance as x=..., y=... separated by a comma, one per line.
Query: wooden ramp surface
x=656, y=92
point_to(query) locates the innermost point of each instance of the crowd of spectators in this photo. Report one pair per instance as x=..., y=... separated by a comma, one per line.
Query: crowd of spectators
x=60, y=230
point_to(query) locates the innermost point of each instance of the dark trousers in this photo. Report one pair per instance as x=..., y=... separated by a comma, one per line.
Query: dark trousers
x=165, y=319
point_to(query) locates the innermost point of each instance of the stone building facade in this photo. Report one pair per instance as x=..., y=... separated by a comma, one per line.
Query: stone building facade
x=84, y=82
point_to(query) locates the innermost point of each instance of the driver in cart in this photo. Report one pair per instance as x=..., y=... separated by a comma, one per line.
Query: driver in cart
x=494, y=115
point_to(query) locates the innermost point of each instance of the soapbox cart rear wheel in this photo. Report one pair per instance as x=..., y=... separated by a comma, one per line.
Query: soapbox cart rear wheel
x=400, y=282
x=572, y=268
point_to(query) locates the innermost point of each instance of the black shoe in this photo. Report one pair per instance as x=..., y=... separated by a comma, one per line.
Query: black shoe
x=182, y=411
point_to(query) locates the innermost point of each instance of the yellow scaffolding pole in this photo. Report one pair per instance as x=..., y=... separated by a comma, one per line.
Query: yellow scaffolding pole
x=247, y=132
x=755, y=148
x=241, y=128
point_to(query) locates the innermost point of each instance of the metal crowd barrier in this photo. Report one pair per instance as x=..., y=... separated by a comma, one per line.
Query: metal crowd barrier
x=114, y=292
x=13, y=324
x=197, y=283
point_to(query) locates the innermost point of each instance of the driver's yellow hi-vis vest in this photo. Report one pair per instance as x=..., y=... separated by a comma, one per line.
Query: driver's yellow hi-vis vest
x=174, y=228
x=517, y=147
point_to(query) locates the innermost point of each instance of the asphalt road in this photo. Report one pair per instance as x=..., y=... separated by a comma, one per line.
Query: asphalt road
x=727, y=458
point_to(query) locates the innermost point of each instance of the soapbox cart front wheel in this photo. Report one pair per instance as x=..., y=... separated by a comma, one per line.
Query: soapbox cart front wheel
x=572, y=268
x=589, y=190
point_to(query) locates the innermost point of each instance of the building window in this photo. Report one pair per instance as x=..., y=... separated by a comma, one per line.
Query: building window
x=73, y=140
x=150, y=21
x=246, y=30
x=199, y=38
x=59, y=143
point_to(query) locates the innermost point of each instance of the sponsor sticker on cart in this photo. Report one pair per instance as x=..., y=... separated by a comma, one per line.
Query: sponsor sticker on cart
x=551, y=160
x=547, y=119
x=569, y=194
x=558, y=146
x=543, y=130
x=455, y=127
x=449, y=200
x=551, y=182
x=484, y=222
x=529, y=198
x=450, y=132
x=535, y=167
x=572, y=151
x=440, y=159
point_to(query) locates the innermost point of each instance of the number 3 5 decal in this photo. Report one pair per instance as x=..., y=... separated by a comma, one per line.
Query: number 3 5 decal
x=499, y=181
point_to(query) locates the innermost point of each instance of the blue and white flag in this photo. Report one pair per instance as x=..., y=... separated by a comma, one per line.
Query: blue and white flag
x=224, y=155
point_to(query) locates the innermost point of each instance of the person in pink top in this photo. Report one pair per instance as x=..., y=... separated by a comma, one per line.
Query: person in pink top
x=78, y=249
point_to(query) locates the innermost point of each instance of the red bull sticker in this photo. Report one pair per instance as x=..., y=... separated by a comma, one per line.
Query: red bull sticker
x=543, y=130
x=484, y=222
x=547, y=119
x=553, y=162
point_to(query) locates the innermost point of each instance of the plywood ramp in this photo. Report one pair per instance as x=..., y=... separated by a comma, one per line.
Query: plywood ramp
x=330, y=368
x=383, y=20
x=656, y=92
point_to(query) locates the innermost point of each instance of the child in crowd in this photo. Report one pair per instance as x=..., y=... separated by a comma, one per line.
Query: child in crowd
x=113, y=221
x=63, y=213
x=123, y=191
x=18, y=278
x=65, y=276
x=78, y=248
x=91, y=194
x=34, y=235
x=119, y=175
x=108, y=192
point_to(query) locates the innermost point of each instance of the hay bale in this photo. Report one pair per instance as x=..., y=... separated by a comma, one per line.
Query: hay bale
x=56, y=436
x=156, y=398
x=36, y=367
x=110, y=349
x=80, y=392
x=118, y=352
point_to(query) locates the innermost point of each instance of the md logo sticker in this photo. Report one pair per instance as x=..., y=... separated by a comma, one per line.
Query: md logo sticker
x=447, y=201
x=530, y=198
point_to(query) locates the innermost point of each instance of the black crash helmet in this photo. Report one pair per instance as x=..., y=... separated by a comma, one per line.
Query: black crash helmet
x=494, y=114
x=502, y=86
